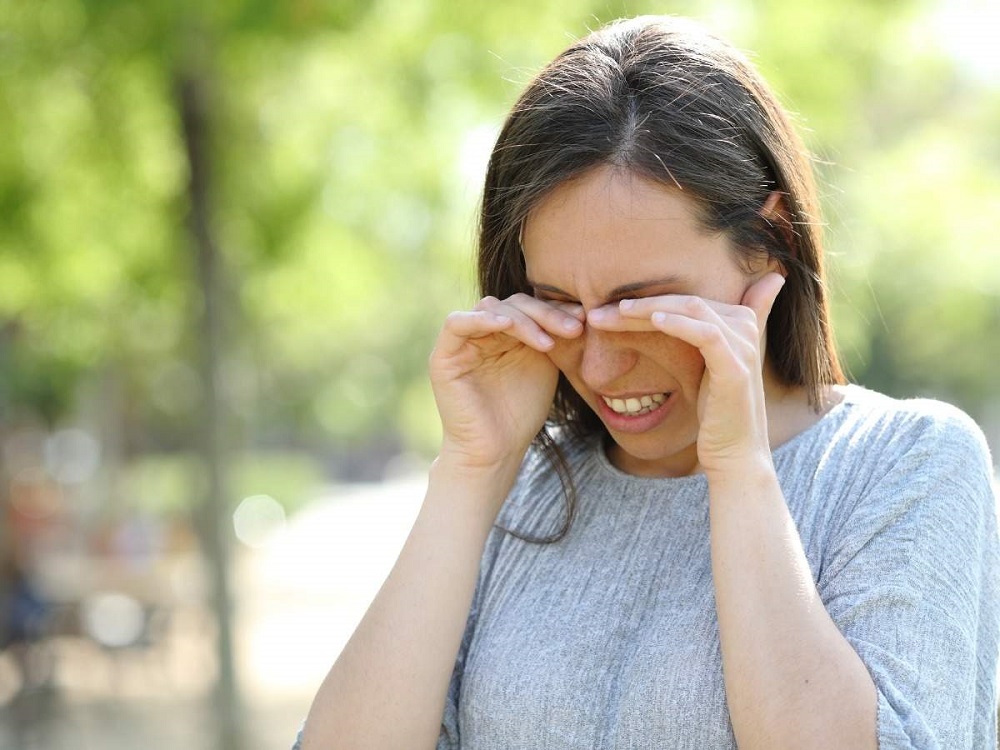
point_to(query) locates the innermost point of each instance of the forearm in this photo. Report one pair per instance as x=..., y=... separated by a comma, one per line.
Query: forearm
x=388, y=687
x=792, y=679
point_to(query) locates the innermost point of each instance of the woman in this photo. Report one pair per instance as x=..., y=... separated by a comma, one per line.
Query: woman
x=713, y=542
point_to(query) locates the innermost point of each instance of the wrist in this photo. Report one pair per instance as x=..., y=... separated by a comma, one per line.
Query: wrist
x=742, y=472
x=454, y=461
x=483, y=486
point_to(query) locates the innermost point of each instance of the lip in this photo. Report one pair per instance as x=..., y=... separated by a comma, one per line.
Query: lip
x=622, y=423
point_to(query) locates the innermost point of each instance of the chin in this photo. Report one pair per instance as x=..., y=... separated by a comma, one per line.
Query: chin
x=652, y=457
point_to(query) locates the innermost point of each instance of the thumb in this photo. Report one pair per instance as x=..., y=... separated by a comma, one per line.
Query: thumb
x=760, y=296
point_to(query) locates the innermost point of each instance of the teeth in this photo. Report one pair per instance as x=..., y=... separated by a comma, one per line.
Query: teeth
x=633, y=407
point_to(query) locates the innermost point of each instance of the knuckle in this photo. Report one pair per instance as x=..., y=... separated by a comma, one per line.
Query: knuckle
x=486, y=302
x=747, y=329
x=746, y=351
x=715, y=336
x=695, y=305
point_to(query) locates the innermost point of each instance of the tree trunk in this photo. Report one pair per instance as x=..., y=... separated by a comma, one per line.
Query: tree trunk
x=212, y=419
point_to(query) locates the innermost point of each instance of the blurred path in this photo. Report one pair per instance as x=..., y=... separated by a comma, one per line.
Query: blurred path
x=304, y=593
x=300, y=595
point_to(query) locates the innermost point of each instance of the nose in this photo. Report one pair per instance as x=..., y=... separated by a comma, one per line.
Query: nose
x=605, y=358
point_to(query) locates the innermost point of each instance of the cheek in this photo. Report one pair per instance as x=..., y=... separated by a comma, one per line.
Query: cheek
x=681, y=360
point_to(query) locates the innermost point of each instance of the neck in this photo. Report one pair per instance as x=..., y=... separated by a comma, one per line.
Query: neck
x=788, y=409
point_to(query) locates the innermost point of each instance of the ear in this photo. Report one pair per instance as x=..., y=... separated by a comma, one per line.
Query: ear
x=775, y=212
x=761, y=264
x=773, y=204
x=776, y=266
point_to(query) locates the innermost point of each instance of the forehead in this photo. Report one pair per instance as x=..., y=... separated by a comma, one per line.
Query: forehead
x=611, y=227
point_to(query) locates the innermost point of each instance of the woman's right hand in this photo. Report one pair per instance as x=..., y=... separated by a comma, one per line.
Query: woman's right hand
x=493, y=380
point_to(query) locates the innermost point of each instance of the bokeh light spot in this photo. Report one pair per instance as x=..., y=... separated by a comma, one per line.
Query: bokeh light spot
x=256, y=517
x=113, y=620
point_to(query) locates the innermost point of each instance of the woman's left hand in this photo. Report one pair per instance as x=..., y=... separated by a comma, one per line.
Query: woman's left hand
x=731, y=411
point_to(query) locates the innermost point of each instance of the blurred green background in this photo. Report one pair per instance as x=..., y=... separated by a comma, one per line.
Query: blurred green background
x=229, y=232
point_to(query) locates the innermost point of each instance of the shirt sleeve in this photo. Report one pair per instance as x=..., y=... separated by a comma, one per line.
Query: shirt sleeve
x=911, y=579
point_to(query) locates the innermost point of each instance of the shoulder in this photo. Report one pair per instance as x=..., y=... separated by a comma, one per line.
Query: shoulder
x=874, y=459
x=881, y=460
x=888, y=429
x=910, y=481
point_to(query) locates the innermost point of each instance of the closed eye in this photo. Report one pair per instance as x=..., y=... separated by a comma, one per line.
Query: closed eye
x=657, y=288
x=546, y=297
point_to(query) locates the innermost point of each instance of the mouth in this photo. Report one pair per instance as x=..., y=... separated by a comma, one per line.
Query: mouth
x=635, y=406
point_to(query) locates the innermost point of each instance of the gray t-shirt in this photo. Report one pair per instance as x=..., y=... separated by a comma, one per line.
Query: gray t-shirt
x=609, y=639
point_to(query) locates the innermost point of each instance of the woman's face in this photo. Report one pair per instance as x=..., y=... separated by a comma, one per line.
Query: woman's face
x=611, y=235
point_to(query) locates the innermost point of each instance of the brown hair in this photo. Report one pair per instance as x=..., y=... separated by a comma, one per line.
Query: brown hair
x=667, y=100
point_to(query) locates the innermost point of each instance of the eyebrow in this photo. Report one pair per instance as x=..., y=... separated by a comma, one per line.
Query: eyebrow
x=619, y=292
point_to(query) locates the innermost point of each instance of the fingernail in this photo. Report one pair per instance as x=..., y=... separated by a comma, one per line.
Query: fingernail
x=597, y=314
x=625, y=304
x=570, y=324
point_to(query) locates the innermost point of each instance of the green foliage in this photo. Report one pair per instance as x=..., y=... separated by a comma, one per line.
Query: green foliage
x=349, y=138
x=170, y=484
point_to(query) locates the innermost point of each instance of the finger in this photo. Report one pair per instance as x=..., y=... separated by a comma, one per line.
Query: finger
x=535, y=321
x=761, y=295
x=558, y=318
x=610, y=318
x=712, y=342
x=460, y=326
x=634, y=315
x=708, y=338
x=646, y=306
x=573, y=309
